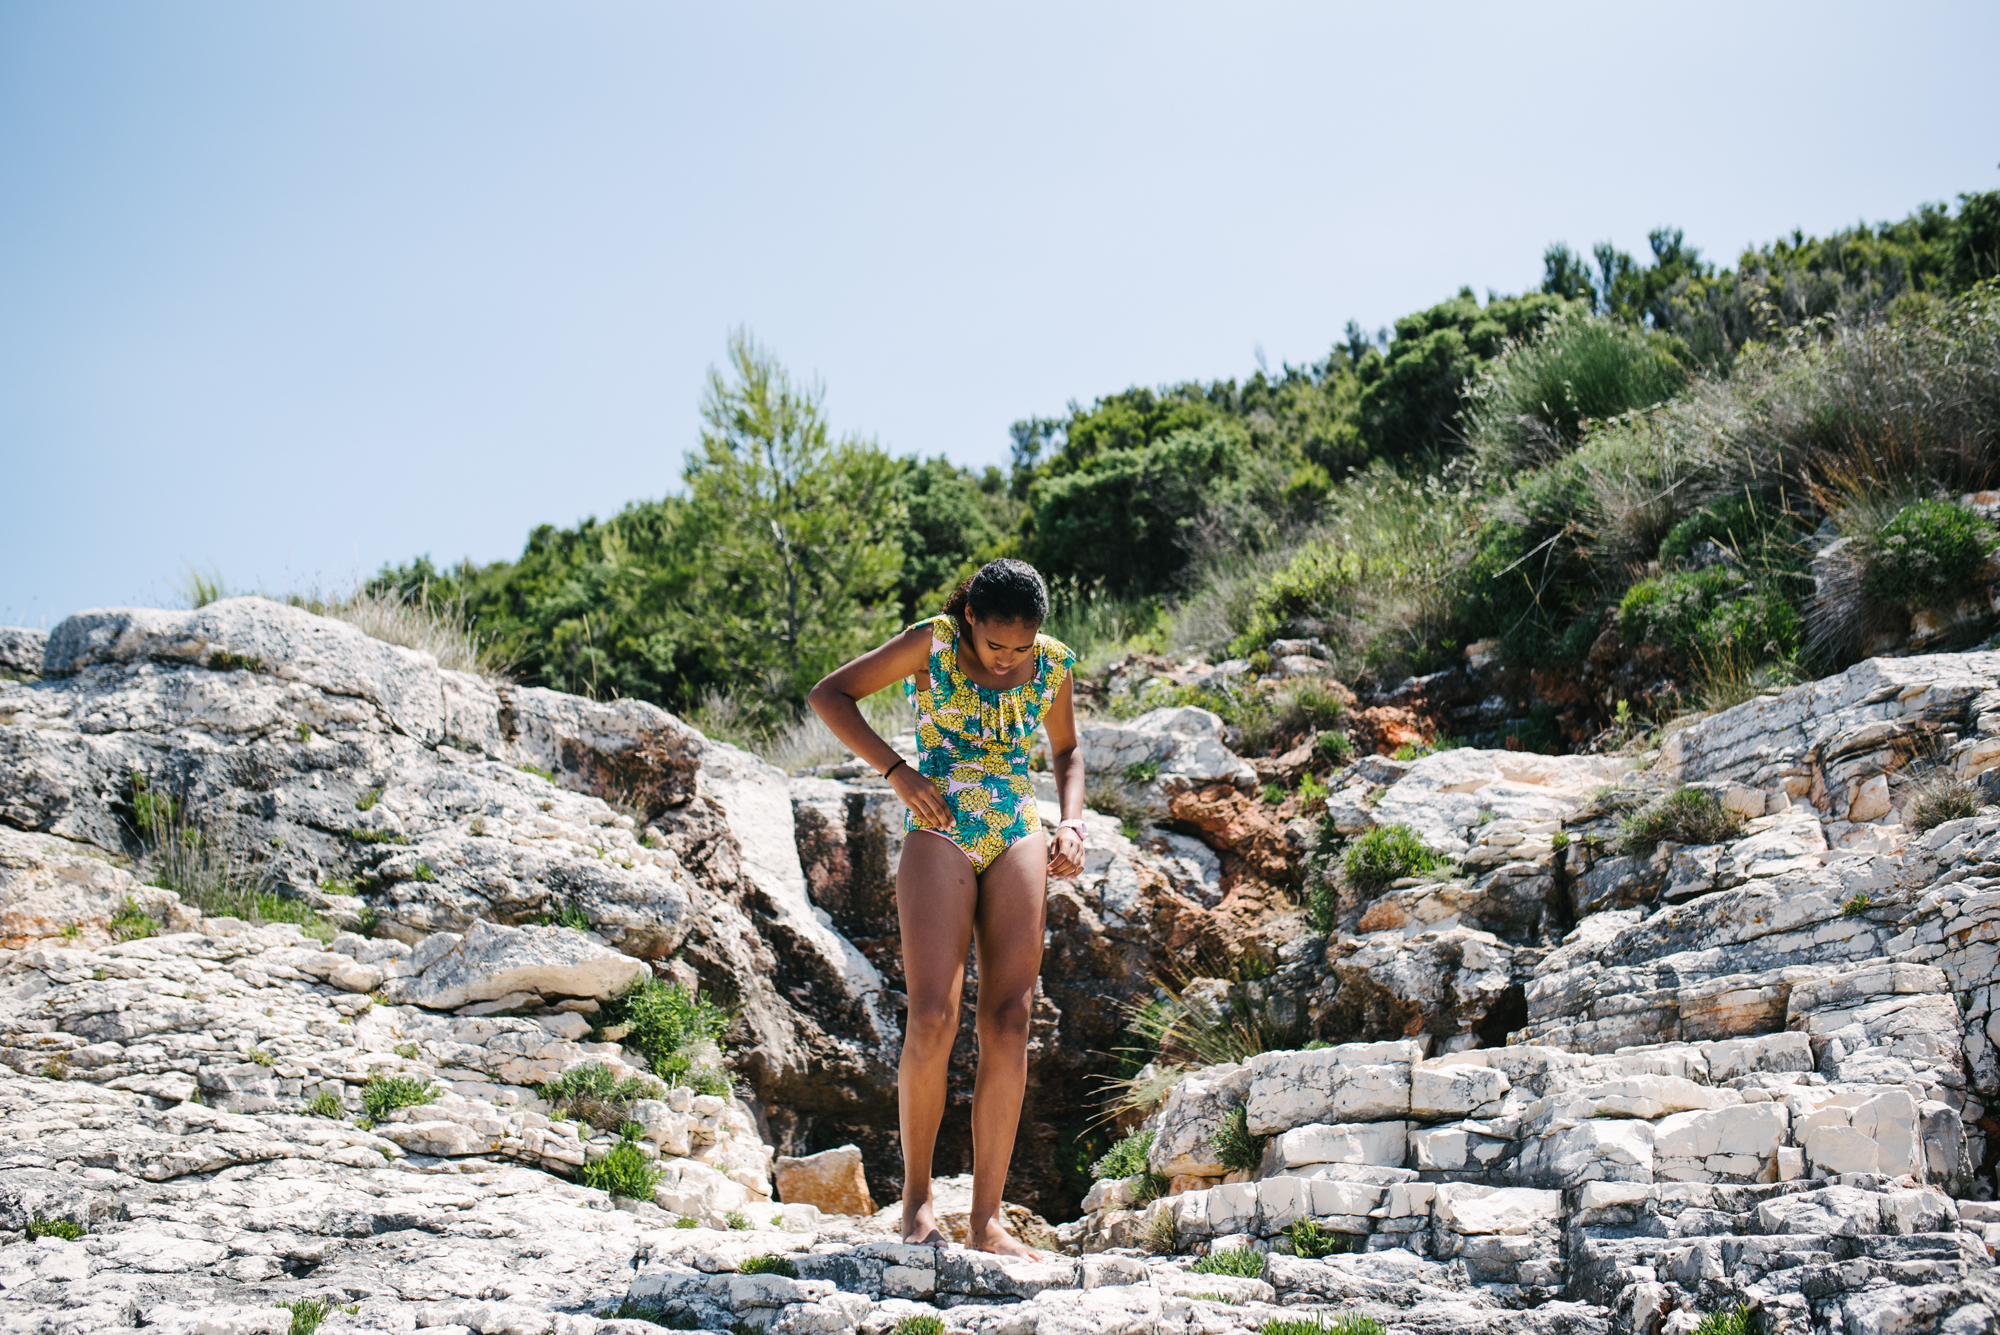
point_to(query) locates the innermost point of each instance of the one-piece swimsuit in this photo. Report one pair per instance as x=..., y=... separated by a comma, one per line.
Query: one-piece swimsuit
x=972, y=743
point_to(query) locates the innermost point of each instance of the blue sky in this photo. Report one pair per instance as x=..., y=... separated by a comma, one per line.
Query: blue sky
x=293, y=290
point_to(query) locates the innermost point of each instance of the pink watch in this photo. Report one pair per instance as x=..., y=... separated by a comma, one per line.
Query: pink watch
x=1082, y=831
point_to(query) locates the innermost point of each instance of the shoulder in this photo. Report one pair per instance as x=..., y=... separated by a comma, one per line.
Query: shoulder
x=1055, y=652
x=940, y=628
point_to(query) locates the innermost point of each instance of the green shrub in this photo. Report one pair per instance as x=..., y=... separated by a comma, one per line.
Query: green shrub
x=55, y=1228
x=571, y=915
x=687, y=1223
x=1142, y=771
x=1684, y=816
x=1388, y=853
x=1310, y=789
x=1530, y=405
x=326, y=1104
x=383, y=1094
x=1124, y=1159
x=1669, y=609
x=669, y=1026
x=257, y=1057
x=1928, y=556
x=656, y=1313
x=546, y=775
x=407, y=1051
x=632, y=1131
x=1235, y=1148
x=1244, y=1263
x=736, y=1219
x=769, y=1264
x=1333, y=748
x=424, y=872
x=1729, y=1321
x=924, y=1324
x=593, y=1093
x=1311, y=1241
x=1736, y=521
x=1856, y=905
x=625, y=1171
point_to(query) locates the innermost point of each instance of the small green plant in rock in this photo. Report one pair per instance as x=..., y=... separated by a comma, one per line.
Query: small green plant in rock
x=1142, y=771
x=1243, y=1262
x=407, y=1051
x=1388, y=853
x=685, y=1222
x=367, y=801
x=383, y=1094
x=593, y=1093
x=1310, y=789
x=1856, y=905
x=1275, y=794
x=656, y=1313
x=71, y=932
x=632, y=1131
x=1124, y=1159
x=1235, y=1148
x=624, y=1171
x=547, y=775
x=672, y=1028
x=736, y=1219
x=570, y=914
x=55, y=1228
x=1162, y=1238
x=769, y=1264
x=1311, y=1241
x=1927, y=555
x=326, y=1104
x=924, y=1324
x=424, y=872
x=1728, y=1321
x=1684, y=816
x=305, y=732
x=377, y=837
x=308, y=1313
x=224, y=661
x=259, y=1057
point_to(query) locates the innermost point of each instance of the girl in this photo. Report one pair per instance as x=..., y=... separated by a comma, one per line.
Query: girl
x=977, y=862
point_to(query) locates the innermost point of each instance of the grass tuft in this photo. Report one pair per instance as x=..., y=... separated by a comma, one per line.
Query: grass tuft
x=1243, y=1262
x=1235, y=1148
x=924, y=1324
x=1856, y=905
x=326, y=1104
x=1728, y=1321
x=55, y=1228
x=1311, y=1241
x=1684, y=816
x=1942, y=795
x=769, y=1264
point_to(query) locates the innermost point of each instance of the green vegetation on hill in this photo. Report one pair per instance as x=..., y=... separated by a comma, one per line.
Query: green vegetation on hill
x=1660, y=447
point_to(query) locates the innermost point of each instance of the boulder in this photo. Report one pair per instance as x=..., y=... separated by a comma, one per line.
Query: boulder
x=492, y=961
x=831, y=1180
x=21, y=652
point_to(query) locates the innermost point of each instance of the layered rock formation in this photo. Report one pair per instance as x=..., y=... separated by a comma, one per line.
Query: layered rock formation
x=1556, y=1085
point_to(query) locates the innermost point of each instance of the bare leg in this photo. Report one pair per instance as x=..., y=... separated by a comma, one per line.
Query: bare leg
x=935, y=896
x=1013, y=897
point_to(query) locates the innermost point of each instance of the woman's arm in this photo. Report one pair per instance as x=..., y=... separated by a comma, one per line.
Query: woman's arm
x=834, y=700
x=1066, y=850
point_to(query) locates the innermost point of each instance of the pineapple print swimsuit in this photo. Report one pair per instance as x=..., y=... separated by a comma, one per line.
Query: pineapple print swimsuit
x=972, y=744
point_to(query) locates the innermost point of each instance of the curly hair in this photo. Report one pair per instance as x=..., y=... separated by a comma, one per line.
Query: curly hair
x=1005, y=590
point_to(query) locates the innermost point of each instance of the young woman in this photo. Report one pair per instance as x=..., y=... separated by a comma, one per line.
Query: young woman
x=977, y=861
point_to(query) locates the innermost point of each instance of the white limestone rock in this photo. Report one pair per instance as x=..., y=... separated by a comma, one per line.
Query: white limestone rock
x=492, y=961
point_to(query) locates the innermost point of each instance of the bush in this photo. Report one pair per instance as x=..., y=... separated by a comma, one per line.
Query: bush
x=769, y=1264
x=1311, y=1241
x=1856, y=905
x=592, y=1093
x=1235, y=1148
x=677, y=1031
x=55, y=1228
x=131, y=923
x=1729, y=1321
x=1244, y=1263
x=923, y=1324
x=1333, y=748
x=625, y=1171
x=1388, y=853
x=383, y=1094
x=1124, y=1159
x=1530, y=405
x=1684, y=816
x=1928, y=556
x=307, y=1313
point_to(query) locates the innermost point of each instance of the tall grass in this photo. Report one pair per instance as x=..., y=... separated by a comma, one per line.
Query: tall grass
x=1530, y=406
x=805, y=741
x=201, y=859
x=436, y=626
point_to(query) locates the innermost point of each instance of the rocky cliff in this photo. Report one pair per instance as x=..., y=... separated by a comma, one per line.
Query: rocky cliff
x=1552, y=1082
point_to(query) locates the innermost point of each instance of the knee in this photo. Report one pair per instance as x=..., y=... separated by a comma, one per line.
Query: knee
x=930, y=1024
x=1007, y=1018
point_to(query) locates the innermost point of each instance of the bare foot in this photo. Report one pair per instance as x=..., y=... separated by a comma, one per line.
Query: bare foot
x=995, y=1239
x=920, y=1224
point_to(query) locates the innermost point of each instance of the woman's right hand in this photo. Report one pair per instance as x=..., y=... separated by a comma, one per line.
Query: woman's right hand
x=920, y=797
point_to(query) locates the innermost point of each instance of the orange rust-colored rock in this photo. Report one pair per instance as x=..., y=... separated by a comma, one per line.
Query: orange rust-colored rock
x=831, y=1179
x=1382, y=916
x=1380, y=729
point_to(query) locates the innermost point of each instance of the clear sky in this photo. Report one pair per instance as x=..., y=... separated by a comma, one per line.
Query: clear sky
x=291, y=290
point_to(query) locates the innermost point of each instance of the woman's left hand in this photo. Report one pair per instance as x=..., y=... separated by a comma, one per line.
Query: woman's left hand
x=1066, y=852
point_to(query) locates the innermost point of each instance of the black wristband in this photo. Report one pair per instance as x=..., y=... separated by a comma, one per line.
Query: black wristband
x=893, y=768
